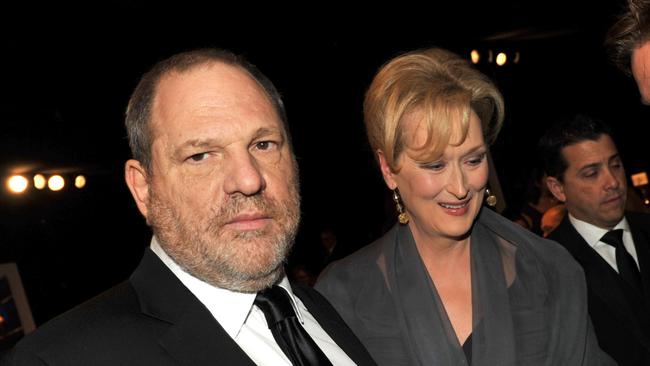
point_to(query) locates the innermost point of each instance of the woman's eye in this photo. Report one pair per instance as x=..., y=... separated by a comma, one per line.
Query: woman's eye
x=477, y=160
x=433, y=166
x=198, y=157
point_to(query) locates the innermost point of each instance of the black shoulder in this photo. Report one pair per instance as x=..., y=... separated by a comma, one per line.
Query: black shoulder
x=94, y=325
x=638, y=219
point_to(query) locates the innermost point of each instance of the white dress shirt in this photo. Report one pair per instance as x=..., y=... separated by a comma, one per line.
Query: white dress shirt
x=592, y=235
x=246, y=323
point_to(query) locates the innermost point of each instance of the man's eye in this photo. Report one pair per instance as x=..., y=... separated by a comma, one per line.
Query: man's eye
x=198, y=157
x=265, y=145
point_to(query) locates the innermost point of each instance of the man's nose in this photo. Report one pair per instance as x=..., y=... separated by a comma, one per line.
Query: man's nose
x=244, y=175
x=612, y=181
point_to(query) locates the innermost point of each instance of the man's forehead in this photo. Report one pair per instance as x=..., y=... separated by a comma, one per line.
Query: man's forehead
x=587, y=152
x=222, y=77
x=214, y=85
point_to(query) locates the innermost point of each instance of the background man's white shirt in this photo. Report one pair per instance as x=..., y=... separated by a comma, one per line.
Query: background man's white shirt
x=592, y=235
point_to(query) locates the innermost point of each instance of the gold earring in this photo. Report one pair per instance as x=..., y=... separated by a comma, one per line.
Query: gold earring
x=490, y=199
x=402, y=216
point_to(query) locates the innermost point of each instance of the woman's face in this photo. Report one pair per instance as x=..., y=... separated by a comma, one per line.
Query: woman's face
x=441, y=197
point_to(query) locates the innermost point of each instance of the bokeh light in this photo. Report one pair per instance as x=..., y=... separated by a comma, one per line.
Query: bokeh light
x=56, y=183
x=501, y=59
x=476, y=56
x=80, y=181
x=39, y=181
x=17, y=184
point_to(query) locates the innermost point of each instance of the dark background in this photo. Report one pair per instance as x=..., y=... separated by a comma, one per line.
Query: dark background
x=67, y=74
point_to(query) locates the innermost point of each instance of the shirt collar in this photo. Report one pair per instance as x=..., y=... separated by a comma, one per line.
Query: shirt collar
x=229, y=308
x=592, y=233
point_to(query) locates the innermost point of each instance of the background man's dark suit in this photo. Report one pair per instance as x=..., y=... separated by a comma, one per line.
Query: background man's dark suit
x=620, y=316
x=152, y=319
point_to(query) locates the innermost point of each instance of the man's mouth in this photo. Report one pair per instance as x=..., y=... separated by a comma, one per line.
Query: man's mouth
x=249, y=221
x=612, y=200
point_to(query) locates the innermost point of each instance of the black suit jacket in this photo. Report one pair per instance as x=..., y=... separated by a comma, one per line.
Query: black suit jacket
x=621, y=316
x=152, y=319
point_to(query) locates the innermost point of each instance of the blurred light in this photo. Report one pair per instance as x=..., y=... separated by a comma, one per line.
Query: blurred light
x=39, y=181
x=80, y=181
x=17, y=184
x=501, y=59
x=476, y=57
x=516, y=60
x=639, y=179
x=490, y=56
x=55, y=183
x=2, y=319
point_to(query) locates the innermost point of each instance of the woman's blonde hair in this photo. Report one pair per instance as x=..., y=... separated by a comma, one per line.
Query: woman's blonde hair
x=441, y=86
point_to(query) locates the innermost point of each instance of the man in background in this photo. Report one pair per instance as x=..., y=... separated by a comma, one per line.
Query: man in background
x=584, y=170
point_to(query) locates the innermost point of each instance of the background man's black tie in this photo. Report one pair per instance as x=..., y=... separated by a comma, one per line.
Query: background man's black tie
x=627, y=267
x=292, y=338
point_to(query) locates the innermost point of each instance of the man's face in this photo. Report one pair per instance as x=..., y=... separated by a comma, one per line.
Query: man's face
x=222, y=195
x=594, y=186
x=641, y=70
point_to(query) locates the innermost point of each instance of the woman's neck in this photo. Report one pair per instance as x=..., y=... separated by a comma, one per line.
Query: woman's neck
x=440, y=251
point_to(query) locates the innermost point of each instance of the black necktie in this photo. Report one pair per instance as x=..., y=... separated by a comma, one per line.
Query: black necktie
x=627, y=267
x=292, y=338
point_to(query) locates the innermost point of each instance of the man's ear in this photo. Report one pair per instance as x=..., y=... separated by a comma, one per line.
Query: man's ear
x=136, y=178
x=556, y=188
x=386, y=171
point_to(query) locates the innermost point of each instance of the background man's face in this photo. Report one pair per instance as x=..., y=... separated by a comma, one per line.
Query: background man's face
x=641, y=70
x=223, y=193
x=594, y=186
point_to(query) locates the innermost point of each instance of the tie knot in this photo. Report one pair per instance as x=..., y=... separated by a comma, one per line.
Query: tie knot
x=275, y=304
x=613, y=238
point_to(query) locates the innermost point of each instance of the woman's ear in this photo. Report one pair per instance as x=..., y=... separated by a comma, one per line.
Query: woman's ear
x=386, y=171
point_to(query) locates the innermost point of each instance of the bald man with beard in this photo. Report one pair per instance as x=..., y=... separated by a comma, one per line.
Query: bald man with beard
x=214, y=174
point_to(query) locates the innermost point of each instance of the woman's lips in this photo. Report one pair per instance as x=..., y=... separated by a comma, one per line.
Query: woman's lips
x=455, y=208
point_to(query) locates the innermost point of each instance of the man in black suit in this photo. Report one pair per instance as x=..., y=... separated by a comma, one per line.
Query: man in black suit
x=215, y=177
x=586, y=172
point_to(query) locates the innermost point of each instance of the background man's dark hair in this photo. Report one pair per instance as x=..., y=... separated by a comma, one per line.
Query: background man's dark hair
x=564, y=133
x=138, y=112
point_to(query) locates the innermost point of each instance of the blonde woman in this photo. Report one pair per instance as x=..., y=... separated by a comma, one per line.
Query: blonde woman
x=452, y=283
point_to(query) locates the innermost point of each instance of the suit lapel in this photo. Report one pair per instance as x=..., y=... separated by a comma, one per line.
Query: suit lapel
x=197, y=339
x=640, y=234
x=333, y=324
x=193, y=336
x=602, y=279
